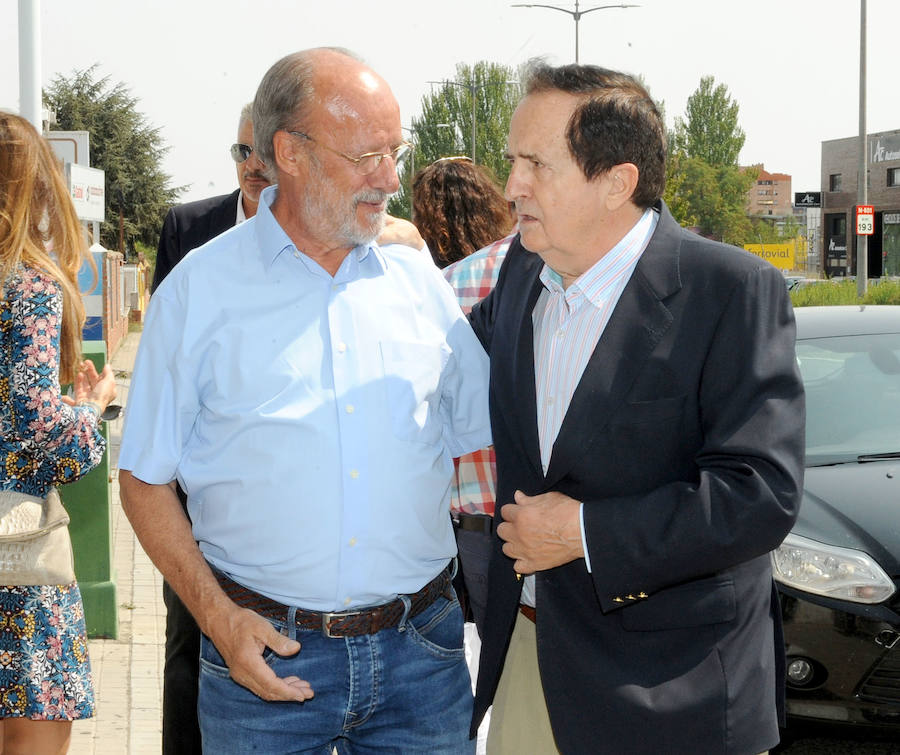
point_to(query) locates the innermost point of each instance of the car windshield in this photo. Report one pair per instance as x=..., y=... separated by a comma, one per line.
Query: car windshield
x=852, y=397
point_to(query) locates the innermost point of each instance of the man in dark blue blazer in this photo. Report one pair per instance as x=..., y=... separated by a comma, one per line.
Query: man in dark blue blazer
x=190, y=225
x=648, y=419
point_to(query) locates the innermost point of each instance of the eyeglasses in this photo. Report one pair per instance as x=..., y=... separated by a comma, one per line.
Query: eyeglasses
x=369, y=162
x=240, y=152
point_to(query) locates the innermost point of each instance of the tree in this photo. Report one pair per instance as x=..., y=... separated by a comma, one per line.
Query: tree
x=705, y=187
x=711, y=130
x=123, y=145
x=445, y=125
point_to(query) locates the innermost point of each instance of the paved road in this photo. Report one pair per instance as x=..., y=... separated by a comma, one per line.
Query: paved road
x=824, y=740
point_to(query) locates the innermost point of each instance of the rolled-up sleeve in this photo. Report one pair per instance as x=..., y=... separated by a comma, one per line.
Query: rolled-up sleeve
x=163, y=400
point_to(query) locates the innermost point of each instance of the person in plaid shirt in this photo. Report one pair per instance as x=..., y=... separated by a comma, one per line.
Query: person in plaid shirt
x=472, y=489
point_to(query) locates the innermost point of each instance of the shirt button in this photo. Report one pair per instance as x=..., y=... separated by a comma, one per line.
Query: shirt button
x=352, y=541
x=296, y=255
x=354, y=473
x=560, y=333
x=341, y=347
x=549, y=400
x=346, y=601
x=350, y=409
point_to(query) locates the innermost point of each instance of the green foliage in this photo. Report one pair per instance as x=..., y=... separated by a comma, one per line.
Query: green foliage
x=766, y=232
x=883, y=292
x=711, y=199
x=831, y=293
x=123, y=145
x=444, y=126
x=710, y=130
x=705, y=188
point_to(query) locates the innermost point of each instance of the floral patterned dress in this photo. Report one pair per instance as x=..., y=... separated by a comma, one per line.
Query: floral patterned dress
x=45, y=673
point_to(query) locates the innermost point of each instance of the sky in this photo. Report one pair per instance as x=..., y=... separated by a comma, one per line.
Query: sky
x=792, y=67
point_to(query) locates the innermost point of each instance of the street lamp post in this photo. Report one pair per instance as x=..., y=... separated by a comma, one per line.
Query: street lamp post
x=575, y=14
x=862, y=242
x=472, y=88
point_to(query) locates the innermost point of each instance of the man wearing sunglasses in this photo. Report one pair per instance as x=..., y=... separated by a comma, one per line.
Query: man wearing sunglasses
x=309, y=389
x=190, y=225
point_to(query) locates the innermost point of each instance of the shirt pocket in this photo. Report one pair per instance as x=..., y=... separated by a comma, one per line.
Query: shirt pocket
x=412, y=373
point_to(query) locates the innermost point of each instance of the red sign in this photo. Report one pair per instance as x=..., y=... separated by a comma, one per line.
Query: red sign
x=865, y=220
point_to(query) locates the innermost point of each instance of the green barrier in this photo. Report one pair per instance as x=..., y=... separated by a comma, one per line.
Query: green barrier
x=88, y=504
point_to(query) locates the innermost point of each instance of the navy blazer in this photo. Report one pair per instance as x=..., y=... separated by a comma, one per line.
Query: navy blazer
x=190, y=225
x=684, y=439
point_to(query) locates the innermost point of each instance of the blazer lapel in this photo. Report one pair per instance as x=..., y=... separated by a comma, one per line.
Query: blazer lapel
x=637, y=324
x=225, y=215
x=512, y=364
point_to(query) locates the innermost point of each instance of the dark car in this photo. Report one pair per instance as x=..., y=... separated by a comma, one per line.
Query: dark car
x=838, y=571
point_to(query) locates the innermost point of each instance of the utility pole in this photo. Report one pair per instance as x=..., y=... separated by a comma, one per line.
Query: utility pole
x=472, y=88
x=862, y=241
x=30, y=104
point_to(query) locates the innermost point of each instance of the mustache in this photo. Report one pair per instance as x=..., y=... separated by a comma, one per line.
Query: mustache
x=372, y=195
x=254, y=175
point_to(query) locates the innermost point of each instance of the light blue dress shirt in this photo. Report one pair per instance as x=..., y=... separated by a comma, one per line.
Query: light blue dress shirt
x=311, y=419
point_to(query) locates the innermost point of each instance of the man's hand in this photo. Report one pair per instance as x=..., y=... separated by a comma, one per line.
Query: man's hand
x=240, y=635
x=241, y=638
x=541, y=531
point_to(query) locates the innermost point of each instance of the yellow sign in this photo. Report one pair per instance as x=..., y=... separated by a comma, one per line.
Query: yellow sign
x=780, y=255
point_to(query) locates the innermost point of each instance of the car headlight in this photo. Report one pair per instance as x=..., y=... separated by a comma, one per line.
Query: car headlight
x=841, y=573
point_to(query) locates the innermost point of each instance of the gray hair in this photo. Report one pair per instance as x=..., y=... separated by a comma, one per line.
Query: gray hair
x=282, y=99
x=246, y=115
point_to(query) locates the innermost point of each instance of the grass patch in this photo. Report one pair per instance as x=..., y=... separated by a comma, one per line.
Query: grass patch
x=832, y=293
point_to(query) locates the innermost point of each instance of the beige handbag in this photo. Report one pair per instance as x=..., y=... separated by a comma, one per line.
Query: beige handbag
x=35, y=548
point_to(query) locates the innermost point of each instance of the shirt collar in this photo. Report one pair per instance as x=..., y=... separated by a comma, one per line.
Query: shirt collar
x=240, y=215
x=594, y=283
x=273, y=241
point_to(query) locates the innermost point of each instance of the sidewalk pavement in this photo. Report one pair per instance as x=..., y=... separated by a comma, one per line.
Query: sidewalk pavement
x=128, y=671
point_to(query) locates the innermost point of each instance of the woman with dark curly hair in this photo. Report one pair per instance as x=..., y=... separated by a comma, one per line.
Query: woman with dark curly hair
x=47, y=439
x=458, y=208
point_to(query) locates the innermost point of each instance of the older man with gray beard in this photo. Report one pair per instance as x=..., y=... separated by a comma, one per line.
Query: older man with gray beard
x=309, y=389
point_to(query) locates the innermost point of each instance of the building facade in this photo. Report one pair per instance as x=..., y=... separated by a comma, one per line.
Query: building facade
x=770, y=196
x=840, y=167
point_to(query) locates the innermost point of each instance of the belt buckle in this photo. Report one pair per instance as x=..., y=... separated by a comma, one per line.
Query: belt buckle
x=329, y=617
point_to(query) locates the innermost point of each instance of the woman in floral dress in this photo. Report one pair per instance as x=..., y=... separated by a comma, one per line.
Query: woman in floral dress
x=47, y=439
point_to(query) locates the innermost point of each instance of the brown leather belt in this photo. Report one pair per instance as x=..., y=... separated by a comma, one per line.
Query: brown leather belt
x=341, y=623
x=529, y=612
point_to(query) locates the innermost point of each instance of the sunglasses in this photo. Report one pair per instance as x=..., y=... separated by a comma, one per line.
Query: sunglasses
x=240, y=152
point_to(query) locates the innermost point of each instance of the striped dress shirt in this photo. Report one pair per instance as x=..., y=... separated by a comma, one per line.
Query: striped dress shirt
x=568, y=323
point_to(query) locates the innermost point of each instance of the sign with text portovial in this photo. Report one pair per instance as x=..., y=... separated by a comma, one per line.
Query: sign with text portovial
x=781, y=256
x=865, y=220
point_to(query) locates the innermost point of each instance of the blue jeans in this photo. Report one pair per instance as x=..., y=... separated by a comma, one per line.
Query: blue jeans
x=403, y=690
